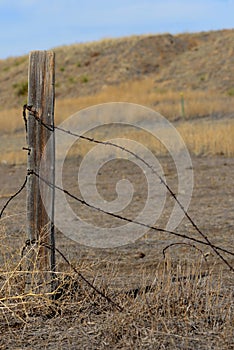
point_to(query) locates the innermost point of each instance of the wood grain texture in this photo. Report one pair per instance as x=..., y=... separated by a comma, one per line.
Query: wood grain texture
x=41, y=144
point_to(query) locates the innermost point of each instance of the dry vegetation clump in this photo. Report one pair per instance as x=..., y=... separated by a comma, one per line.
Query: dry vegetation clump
x=185, y=306
x=209, y=138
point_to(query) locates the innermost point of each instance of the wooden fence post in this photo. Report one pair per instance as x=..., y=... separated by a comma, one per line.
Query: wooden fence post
x=40, y=227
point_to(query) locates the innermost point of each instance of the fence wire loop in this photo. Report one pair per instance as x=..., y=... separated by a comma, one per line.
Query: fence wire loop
x=204, y=256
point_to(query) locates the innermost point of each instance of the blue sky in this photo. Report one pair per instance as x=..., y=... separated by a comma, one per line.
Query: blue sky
x=27, y=25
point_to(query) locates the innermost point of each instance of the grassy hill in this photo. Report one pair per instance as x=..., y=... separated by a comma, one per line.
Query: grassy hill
x=151, y=70
x=203, y=61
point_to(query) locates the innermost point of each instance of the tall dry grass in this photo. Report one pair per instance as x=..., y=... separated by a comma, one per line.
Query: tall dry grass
x=202, y=136
x=143, y=92
x=175, y=306
x=209, y=138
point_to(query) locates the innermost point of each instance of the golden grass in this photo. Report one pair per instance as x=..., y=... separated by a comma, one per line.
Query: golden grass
x=201, y=137
x=11, y=120
x=209, y=138
x=144, y=92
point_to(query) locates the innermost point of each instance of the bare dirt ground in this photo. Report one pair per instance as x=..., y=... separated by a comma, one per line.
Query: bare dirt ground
x=126, y=267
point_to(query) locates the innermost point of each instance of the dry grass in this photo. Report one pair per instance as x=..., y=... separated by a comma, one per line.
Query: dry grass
x=187, y=306
x=209, y=138
x=198, y=103
x=172, y=303
x=11, y=120
x=203, y=128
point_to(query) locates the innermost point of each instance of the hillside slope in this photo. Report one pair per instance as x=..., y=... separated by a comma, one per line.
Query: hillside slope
x=185, y=61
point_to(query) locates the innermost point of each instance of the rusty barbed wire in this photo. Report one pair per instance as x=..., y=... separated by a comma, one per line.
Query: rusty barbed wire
x=82, y=201
x=52, y=128
x=207, y=242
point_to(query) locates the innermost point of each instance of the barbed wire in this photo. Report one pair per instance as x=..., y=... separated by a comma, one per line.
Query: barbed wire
x=82, y=201
x=52, y=128
x=91, y=285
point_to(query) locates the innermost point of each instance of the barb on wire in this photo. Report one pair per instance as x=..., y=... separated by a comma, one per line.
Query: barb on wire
x=108, y=143
x=82, y=201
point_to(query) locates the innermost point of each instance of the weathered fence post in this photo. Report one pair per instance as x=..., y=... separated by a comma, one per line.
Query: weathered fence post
x=40, y=228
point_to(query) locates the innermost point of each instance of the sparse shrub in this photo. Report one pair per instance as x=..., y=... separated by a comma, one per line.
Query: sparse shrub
x=230, y=92
x=160, y=90
x=78, y=64
x=62, y=69
x=19, y=61
x=21, y=88
x=71, y=80
x=84, y=79
x=202, y=77
x=94, y=54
